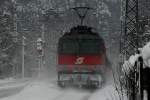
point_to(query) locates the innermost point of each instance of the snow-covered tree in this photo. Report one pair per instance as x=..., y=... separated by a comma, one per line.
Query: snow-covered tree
x=7, y=44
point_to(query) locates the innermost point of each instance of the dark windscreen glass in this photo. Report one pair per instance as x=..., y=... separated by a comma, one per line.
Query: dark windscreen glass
x=82, y=47
x=70, y=48
x=89, y=47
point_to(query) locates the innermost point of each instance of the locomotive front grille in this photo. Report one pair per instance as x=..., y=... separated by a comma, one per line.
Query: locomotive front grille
x=80, y=69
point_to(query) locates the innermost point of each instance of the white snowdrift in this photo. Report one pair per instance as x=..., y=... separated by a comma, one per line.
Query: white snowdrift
x=145, y=53
x=128, y=65
x=133, y=59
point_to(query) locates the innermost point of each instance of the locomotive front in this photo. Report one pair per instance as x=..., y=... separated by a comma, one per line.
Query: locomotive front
x=81, y=57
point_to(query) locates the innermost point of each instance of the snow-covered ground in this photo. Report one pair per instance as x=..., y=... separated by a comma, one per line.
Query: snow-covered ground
x=107, y=93
x=12, y=83
x=48, y=90
x=45, y=91
x=7, y=80
x=10, y=86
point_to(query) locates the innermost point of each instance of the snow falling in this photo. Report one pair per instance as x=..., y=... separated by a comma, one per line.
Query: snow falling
x=30, y=31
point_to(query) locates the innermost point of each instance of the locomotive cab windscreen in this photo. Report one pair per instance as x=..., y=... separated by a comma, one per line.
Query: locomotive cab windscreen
x=83, y=43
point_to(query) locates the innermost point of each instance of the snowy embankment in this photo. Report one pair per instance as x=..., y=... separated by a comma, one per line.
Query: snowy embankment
x=6, y=84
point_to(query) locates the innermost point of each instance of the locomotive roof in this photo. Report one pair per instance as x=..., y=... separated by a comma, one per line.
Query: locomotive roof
x=81, y=32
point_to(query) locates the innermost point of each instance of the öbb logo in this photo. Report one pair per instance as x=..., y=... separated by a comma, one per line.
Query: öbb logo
x=79, y=60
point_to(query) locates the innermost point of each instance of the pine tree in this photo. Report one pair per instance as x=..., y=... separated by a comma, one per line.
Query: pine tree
x=7, y=44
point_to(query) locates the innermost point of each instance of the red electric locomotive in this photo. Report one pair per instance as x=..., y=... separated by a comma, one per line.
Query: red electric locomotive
x=81, y=57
